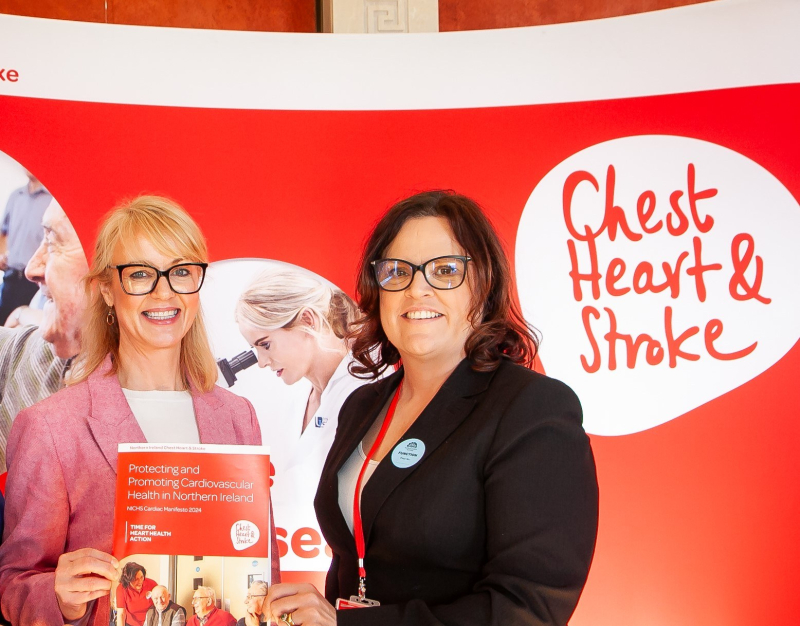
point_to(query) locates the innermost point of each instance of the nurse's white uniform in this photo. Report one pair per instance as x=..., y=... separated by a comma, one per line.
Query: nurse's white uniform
x=296, y=479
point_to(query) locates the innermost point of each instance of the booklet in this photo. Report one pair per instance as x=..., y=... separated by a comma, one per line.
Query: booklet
x=193, y=515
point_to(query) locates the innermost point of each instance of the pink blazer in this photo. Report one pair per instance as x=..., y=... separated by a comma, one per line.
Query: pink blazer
x=62, y=459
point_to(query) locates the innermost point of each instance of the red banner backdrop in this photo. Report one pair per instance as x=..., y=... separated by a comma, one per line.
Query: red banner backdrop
x=699, y=514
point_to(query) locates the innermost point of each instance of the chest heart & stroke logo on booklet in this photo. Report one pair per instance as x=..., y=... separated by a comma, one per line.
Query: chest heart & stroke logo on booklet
x=660, y=272
x=244, y=534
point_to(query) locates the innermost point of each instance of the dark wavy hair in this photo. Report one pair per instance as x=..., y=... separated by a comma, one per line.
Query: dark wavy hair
x=129, y=573
x=499, y=332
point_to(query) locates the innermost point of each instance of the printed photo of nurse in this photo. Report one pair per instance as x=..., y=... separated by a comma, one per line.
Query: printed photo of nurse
x=295, y=324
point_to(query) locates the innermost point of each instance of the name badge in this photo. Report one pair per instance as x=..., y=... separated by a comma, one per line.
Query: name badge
x=407, y=453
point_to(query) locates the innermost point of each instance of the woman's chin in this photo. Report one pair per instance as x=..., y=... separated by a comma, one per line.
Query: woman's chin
x=427, y=350
x=163, y=338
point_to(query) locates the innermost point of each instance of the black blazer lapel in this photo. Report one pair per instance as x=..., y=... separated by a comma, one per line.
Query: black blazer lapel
x=360, y=413
x=448, y=409
x=363, y=413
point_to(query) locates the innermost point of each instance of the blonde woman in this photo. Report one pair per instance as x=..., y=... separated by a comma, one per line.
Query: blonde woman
x=145, y=374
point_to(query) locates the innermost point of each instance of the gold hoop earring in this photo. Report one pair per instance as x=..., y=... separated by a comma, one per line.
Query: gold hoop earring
x=110, y=317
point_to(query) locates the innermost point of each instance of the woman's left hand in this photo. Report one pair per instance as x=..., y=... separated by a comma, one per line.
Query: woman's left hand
x=302, y=602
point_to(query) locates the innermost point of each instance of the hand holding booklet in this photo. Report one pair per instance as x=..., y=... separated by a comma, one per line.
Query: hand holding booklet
x=195, y=522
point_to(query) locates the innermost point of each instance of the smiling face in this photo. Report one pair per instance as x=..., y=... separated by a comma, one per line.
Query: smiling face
x=254, y=602
x=426, y=324
x=160, y=598
x=158, y=320
x=201, y=603
x=289, y=352
x=138, y=581
x=58, y=266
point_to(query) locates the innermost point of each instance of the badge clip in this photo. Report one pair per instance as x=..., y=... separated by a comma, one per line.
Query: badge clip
x=355, y=603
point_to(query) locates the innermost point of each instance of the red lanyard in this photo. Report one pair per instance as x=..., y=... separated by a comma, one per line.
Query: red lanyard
x=358, y=529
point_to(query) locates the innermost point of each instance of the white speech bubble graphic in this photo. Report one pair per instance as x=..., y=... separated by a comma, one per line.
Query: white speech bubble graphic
x=244, y=534
x=728, y=231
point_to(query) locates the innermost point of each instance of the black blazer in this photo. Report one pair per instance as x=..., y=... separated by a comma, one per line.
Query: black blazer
x=495, y=524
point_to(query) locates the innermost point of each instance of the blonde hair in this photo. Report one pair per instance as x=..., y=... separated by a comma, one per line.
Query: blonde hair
x=278, y=299
x=173, y=233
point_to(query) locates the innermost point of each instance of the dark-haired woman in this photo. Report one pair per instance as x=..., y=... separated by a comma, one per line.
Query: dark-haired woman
x=477, y=494
x=133, y=595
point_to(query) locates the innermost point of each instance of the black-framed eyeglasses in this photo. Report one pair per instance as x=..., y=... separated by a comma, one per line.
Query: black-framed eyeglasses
x=250, y=596
x=139, y=279
x=443, y=272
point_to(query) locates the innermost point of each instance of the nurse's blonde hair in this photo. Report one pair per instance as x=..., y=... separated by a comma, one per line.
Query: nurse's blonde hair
x=172, y=232
x=278, y=299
